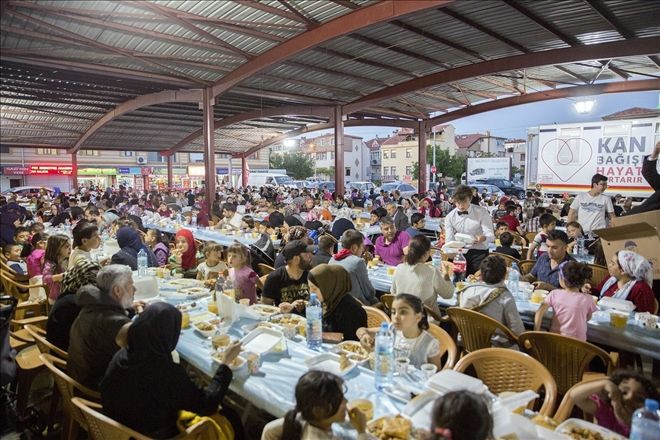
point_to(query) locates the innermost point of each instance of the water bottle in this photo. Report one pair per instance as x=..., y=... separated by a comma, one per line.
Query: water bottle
x=460, y=267
x=580, y=247
x=193, y=221
x=314, y=315
x=179, y=219
x=142, y=263
x=646, y=422
x=436, y=259
x=514, y=280
x=384, y=352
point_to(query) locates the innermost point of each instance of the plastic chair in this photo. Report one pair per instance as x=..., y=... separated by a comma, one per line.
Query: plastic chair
x=529, y=236
x=102, y=427
x=565, y=357
x=375, y=317
x=17, y=288
x=476, y=329
x=68, y=389
x=508, y=259
x=264, y=269
x=387, y=299
x=44, y=345
x=598, y=274
x=503, y=369
x=447, y=345
x=526, y=266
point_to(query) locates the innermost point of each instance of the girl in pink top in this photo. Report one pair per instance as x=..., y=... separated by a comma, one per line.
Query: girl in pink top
x=34, y=252
x=58, y=249
x=244, y=278
x=572, y=308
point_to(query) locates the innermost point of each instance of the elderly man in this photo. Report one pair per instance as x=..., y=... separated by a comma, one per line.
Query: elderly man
x=350, y=257
x=545, y=273
x=401, y=221
x=391, y=245
x=287, y=286
x=102, y=325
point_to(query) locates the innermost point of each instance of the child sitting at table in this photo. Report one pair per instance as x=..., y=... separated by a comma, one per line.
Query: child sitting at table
x=506, y=240
x=13, y=255
x=58, y=249
x=547, y=222
x=574, y=232
x=410, y=322
x=572, y=308
x=245, y=279
x=184, y=254
x=34, y=252
x=461, y=415
x=158, y=244
x=212, y=266
x=612, y=400
x=320, y=402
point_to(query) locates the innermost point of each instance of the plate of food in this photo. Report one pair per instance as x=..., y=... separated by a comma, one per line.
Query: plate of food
x=182, y=282
x=338, y=364
x=393, y=428
x=236, y=364
x=205, y=328
x=187, y=306
x=265, y=310
x=195, y=291
x=287, y=319
x=354, y=350
x=577, y=429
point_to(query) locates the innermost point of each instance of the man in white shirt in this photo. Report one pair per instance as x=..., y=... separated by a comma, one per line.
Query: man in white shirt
x=472, y=220
x=231, y=219
x=592, y=209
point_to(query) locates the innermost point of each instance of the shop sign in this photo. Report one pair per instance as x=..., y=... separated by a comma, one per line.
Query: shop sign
x=63, y=170
x=225, y=170
x=175, y=171
x=97, y=171
x=14, y=171
x=129, y=170
x=195, y=171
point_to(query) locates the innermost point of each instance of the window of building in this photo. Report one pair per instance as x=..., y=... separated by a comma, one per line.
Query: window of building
x=408, y=171
x=392, y=154
x=348, y=172
x=386, y=171
x=522, y=157
x=82, y=152
x=332, y=155
x=47, y=151
x=196, y=157
x=408, y=153
x=393, y=172
x=126, y=153
x=5, y=150
x=385, y=155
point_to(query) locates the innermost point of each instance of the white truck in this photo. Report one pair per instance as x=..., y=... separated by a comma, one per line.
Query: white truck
x=562, y=158
x=480, y=168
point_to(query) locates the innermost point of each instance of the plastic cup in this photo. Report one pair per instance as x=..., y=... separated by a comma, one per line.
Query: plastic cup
x=402, y=364
x=537, y=297
x=428, y=370
x=253, y=362
x=290, y=331
x=618, y=319
x=390, y=271
x=185, y=319
x=365, y=406
x=220, y=341
x=213, y=307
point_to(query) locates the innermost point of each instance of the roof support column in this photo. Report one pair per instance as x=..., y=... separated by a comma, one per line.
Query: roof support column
x=169, y=172
x=339, y=151
x=245, y=171
x=74, y=171
x=421, y=151
x=209, y=146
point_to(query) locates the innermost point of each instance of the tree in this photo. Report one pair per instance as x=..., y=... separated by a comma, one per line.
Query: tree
x=448, y=165
x=297, y=165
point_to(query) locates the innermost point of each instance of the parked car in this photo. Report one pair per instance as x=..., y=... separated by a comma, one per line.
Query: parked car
x=27, y=191
x=365, y=187
x=329, y=183
x=506, y=186
x=490, y=189
x=406, y=189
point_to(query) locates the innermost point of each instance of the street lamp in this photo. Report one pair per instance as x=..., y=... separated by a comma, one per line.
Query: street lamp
x=584, y=106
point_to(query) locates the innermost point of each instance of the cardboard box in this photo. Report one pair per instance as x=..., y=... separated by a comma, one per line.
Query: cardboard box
x=639, y=233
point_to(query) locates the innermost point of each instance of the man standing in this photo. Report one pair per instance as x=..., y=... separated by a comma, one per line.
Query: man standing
x=472, y=220
x=391, y=245
x=350, y=257
x=401, y=221
x=287, y=285
x=102, y=325
x=592, y=209
x=650, y=173
x=545, y=273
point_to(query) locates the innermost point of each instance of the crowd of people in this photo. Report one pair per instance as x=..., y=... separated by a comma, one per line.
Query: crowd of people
x=325, y=247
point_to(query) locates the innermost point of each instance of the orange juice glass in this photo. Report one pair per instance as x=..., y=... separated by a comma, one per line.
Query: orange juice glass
x=618, y=319
x=213, y=307
x=185, y=319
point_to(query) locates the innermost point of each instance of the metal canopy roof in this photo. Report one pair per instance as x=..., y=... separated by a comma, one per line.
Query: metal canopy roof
x=129, y=74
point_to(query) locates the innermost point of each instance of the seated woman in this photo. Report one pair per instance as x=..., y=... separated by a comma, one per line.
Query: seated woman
x=342, y=312
x=411, y=340
x=129, y=245
x=492, y=298
x=144, y=388
x=416, y=277
x=631, y=279
x=184, y=255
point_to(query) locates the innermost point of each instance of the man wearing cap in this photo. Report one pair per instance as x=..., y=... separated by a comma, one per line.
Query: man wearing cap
x=287, y=286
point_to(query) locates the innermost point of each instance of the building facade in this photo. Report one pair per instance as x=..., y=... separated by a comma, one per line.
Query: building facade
x=478, y=144
x=373, y=145
x=516, y=149
x=322, y=150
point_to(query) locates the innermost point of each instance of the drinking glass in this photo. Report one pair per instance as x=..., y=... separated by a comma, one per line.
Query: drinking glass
x=428, y=370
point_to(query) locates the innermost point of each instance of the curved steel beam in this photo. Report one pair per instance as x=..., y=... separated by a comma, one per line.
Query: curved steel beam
x=632, y=47
x=193, y=95
x=567, y=92
x=379, y=12
x=294, y=110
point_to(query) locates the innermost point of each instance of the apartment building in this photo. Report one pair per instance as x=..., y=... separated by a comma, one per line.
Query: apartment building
x=52, y=168
x=322, y=149
x=516, y=149
x=373, y=145
x=474, y=145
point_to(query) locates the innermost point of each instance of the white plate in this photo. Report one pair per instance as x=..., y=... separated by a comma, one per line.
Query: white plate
x=205, y=333
x=238, y=363
x=569, y=424
x=295, y=319
x=449, y=380
x=264, y=309
x=262, y=340
x=357, y=357
x=329, y=362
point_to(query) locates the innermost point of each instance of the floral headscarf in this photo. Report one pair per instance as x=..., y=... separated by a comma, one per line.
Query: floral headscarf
x=636, y=266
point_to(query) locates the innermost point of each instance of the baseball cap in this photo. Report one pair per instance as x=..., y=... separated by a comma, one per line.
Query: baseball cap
x=296, y=247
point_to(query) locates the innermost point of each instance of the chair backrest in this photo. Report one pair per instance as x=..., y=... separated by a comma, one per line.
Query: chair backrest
x=44, y=345
x=476, y=329
x=566, y=358
x=526, y=266
x=68, y=388
x=375, y=316
x=503, y=369
x=598, y=274
x=13, y=287
x=508, y=259
x=387, y=300
x=530, y=236
x=102, y=427
x=264, y=269
x=447, y=345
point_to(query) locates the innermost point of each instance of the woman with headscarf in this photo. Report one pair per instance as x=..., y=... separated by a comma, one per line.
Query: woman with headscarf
x=631, y=279
x=184, y=255
x=428, y=209
x=129, y=245
x=341, y=312
x=145, y=387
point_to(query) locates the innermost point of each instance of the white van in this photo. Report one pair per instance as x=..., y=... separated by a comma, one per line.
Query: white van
x=270, y=179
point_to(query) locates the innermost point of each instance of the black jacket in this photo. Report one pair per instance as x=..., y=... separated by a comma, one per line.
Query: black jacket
x=650, y=173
